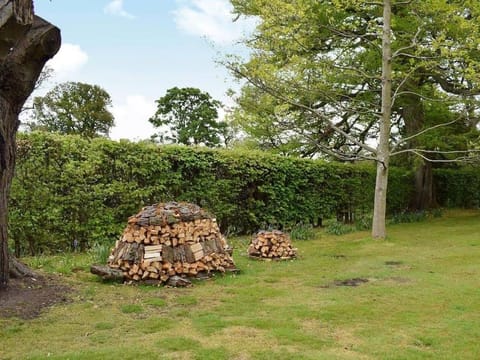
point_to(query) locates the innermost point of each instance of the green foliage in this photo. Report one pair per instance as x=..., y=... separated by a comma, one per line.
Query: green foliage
x=131, y=309
x=408, y=217
x=191, y=116
x=302, y=232
x=69, y=191
x=339, y=228
x=458, y=187
x=100, y=252
x=74, y=108
x=312, y=62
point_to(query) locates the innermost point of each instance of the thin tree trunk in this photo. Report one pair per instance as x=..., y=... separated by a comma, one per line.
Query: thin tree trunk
x=26, y=43
x=383, y=150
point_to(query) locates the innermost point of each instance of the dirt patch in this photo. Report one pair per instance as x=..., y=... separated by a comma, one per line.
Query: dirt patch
x=393, y=263
x=350, y=282
x=347, y=282
x=27, y=297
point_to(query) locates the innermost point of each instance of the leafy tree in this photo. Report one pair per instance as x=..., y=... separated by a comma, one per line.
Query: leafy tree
x=341, y=72
x=74, y=108
x=191, y=116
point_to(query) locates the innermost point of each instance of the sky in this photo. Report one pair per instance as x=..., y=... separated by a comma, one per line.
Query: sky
x=138, y=49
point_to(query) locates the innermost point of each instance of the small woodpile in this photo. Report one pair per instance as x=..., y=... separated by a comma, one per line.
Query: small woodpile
x=171, y=240
x=274, y=245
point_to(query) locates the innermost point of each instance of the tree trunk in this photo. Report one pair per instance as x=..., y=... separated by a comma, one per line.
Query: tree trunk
x=379, y=230
x=27, y=42
x=8, y=128
x=413, y=113
x=424, y=197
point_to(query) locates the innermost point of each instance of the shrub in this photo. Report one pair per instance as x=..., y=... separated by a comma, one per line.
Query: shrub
x=69, y=191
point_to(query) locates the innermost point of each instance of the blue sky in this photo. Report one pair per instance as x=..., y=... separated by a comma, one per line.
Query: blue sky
x=137, y=49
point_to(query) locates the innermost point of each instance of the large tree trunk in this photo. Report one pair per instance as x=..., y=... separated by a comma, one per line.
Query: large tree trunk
x=379, y=230
x=424, y=196
x=8, y=128
x=27, y=42
x=413, y=113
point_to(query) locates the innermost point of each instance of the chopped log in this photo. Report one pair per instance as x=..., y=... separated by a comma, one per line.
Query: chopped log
x=273, y=245
x=178, y=281
x=107, y=273
x=164, y=241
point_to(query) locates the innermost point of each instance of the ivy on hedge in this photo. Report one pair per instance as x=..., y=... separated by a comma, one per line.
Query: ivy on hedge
x=69, y=191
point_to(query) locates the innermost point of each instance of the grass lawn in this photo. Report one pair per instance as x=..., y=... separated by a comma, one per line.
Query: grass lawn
x=421, y=301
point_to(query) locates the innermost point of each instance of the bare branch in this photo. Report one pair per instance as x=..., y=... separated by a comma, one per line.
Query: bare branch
x=315, y=112
x=411, y=46
x=419, y=152
x=408, y=138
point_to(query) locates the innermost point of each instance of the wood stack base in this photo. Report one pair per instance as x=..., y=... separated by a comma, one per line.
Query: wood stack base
x=273, y=245
x=167, y=241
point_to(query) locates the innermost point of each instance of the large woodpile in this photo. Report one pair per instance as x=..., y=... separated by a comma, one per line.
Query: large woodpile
x=165, y=241
x=274, y=245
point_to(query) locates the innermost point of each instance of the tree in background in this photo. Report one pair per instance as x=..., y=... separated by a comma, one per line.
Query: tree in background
x=341, y=72
x=191, y=117
x=74, y=108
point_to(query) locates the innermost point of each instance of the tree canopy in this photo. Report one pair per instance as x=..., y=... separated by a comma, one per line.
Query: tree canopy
x=190, y=117
x=327, y=68
x=74, y=108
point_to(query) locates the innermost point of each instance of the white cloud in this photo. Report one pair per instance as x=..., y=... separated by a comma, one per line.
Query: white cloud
x=131, y=118
x=68, y=60
x=115, y=7
x=212, y=19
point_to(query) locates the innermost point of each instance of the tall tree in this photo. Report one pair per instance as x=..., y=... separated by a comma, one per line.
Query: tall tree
x=74, y=108
x=26, y=43
x=191, y=117
x=327, y=65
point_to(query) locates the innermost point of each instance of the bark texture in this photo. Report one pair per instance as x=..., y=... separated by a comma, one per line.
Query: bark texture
x=383, y=150
x=27, y=42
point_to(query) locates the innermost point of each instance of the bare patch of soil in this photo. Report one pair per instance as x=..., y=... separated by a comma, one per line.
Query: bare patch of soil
x=393, y=263
x=347, y=282
x=27, y=297
x=350, y=282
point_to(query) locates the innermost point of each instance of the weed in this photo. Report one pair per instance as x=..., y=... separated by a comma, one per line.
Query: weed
x=338, y=228
x=208, y=323
x=187, y=300
x=156, y=302
x=131, y=309
x=100, y=253
x=364, y=222
x=104, y=326
x=302, y=232
x=218, y=353
x=177, y=344
x=408, y=217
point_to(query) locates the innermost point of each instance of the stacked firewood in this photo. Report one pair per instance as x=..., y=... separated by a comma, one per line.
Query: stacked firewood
x=167, y=240
x=274, y=245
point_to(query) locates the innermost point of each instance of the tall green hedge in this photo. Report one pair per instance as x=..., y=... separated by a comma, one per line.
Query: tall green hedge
x=68, y=190
x=458, y=187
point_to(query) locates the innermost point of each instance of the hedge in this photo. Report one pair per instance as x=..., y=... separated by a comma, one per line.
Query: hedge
x=458, y=187
x=69, y=191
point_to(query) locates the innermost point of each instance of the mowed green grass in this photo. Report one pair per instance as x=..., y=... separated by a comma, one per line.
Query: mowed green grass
x=421, y=301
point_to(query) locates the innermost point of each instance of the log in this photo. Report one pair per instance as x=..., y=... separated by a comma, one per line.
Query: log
x=178, y=281
x=107, y=273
